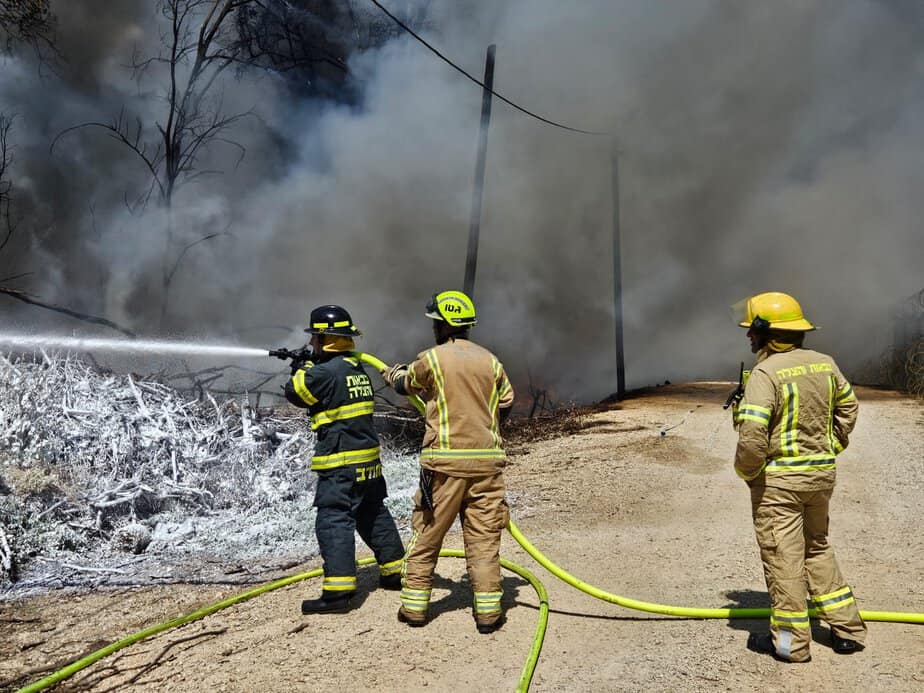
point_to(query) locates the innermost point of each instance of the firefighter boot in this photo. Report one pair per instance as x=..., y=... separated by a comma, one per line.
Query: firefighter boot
x=390, y=582
x=415, y=619
x=484, y=627
x=844, y=645
x=328, y=603
x=763, y=644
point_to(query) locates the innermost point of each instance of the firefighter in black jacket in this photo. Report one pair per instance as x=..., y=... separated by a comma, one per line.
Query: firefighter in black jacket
x=351, y=490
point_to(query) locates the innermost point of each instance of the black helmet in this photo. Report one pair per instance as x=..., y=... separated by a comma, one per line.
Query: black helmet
x=331, y=320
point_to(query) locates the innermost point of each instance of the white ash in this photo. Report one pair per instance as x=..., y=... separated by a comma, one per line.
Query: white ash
x=96, y=466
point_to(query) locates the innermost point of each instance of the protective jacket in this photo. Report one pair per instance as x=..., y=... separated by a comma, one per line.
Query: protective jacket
x=794, y=419
x=339, y=398
x=464, y=386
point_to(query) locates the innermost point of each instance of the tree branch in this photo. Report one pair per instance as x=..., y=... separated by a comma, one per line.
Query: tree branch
x=25, y=298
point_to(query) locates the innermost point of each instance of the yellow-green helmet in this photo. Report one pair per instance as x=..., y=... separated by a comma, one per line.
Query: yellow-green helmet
x=773, y=310
x=453, y=308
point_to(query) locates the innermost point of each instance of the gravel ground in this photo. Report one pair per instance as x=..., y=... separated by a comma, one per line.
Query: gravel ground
x=642, y=502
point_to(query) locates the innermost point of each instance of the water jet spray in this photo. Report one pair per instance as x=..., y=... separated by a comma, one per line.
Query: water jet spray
x=31, y=342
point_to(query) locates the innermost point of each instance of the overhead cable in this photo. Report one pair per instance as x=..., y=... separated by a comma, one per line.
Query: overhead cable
x=477, y=81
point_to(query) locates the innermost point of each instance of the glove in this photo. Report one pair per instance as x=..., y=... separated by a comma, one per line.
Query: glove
x=301, y=364
x=391, y=375
x=303, y=360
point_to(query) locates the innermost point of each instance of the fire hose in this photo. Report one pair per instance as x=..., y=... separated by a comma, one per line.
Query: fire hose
x=539, y=635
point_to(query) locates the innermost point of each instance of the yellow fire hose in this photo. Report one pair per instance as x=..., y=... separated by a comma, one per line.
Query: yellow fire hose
x=90, y=659
x=539, y=636
x=682, y=611
x=531, y=661
x=380, y=366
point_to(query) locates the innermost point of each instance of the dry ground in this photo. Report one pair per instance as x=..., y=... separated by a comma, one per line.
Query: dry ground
x=656, y=517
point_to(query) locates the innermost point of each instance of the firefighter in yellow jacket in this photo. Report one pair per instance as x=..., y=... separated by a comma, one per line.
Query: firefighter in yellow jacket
x=795, y=416
x=467, y=395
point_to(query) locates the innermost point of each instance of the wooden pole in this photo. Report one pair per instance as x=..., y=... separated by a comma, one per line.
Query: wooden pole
x=617, y=280
x=471, y=259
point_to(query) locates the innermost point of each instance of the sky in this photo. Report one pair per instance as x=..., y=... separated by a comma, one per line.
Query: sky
x=760, y=147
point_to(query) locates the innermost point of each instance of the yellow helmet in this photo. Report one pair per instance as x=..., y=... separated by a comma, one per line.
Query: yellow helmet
x=452, y=307
x=777, y=311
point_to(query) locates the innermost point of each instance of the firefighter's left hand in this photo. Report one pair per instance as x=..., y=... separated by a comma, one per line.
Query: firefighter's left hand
x=390, y=375
x=298, y=365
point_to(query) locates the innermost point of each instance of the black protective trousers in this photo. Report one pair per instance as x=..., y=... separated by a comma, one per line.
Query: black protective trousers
x=346, y=507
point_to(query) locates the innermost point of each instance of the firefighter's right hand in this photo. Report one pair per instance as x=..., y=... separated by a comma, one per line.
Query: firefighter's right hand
x=392, y=374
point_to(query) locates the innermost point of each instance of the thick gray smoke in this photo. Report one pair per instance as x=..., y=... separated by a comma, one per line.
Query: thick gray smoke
x=762, y=146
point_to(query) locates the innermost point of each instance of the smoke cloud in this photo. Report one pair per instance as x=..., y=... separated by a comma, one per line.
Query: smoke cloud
x=761, y=146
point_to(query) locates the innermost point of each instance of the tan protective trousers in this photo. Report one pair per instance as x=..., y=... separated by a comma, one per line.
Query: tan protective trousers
x=479, y=504
x=792, y=532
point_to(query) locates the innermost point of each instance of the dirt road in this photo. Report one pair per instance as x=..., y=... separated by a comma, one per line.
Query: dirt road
x=656, y=517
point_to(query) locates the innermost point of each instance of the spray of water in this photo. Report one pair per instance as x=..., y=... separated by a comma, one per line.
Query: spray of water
x=26, y=342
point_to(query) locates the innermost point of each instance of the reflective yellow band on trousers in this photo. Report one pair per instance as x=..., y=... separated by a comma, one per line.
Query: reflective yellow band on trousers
x=341, y=459
x=834, y=600
x=345, y=583
x=347, y=411
x=789, y=619
x=488, y=602
x=392, y=568
x=415, y=600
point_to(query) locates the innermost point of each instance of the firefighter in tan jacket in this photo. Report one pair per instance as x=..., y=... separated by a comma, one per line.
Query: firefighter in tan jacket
x=467, y=394
x=795, y=416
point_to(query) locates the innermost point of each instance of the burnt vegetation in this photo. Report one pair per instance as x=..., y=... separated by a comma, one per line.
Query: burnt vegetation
x=903, y=365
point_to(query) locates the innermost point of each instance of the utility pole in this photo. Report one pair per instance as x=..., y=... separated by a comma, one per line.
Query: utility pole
x=471, y=259
x=617, y=279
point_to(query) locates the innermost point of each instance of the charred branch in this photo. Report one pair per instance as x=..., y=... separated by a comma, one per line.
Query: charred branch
x=28, y=22
x=6, y=187
x=94, y=319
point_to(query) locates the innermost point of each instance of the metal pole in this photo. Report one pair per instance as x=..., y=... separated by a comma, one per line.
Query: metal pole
x=471, y=259
x=617, y=279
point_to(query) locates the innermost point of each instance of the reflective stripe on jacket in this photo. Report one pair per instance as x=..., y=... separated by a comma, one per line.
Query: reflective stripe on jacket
x=464, y=385
x=338, y=395
x=795, y=417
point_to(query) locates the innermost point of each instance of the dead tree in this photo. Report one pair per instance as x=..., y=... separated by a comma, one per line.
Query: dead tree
x=309, y=41
x=7, y=227
x=26, y=21
x=200, y=40
x=199, y=45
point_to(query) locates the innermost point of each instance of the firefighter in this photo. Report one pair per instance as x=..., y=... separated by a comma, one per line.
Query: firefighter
x=468, y=395
x=794, y=418
x=351, y=490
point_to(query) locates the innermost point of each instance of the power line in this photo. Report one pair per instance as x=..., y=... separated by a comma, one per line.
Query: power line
x=478, y=81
